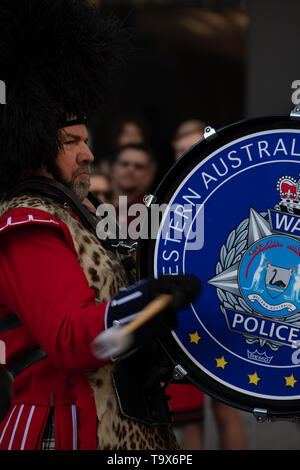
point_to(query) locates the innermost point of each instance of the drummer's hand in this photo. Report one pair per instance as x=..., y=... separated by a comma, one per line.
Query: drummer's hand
x=130, y=301
x=184, y=289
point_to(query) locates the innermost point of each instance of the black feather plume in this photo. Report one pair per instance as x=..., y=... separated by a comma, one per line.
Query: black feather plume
x=55, y=57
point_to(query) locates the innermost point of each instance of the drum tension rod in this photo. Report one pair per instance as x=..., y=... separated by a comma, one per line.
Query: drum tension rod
x=261, y=416
x=295, y=113
x=179, y=372
x=149, y=199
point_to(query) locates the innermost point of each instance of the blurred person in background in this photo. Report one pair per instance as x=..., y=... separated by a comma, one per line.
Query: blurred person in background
x=104, y=167
x=127, y=129
x=187, y=401
x=187, y=134
x=133, y=172
x=101, y=186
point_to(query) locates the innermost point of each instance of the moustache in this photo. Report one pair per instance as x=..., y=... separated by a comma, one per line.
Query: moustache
x=82, y=171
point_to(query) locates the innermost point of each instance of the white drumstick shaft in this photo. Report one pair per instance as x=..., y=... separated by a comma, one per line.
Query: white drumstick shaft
x=152, y=309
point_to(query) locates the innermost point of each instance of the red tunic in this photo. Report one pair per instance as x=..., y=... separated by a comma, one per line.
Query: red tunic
x=44, y=285
x=186, y=403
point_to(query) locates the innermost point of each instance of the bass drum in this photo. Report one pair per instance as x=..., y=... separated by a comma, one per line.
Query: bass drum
x=232, y=218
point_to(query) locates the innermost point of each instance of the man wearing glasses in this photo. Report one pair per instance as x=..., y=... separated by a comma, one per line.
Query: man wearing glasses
x=133, y=173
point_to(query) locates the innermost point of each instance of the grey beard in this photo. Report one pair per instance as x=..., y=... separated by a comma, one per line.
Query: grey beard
x=80, y=188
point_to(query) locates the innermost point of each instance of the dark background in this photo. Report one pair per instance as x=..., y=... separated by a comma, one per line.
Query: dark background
x=214, y=60
x=186, y=62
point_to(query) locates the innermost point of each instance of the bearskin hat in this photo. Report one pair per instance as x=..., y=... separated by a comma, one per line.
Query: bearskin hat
x=55, y=59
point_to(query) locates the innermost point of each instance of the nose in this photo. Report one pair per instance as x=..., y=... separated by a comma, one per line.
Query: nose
x=85, y=154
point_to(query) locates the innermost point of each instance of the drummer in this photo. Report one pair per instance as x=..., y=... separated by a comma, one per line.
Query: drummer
x=187, y=402
x=57, y=279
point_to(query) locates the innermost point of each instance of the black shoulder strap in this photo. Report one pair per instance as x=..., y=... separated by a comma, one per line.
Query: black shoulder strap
x=10, y=322
x=57, y=191
x=54, y=189
x=28, y=359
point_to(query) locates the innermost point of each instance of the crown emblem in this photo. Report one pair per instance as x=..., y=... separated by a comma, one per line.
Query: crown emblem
x=259, y=357
x=289, y=191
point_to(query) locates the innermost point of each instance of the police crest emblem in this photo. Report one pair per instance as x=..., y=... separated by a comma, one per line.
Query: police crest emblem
x=238, y=192
x=264, y=274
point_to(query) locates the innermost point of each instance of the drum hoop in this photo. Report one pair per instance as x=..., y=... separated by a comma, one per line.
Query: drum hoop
x=195, y=375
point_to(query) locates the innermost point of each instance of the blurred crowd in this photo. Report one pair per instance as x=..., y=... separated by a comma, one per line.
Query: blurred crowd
x=131, y=170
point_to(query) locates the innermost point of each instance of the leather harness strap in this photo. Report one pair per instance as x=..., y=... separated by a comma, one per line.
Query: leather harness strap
x=28, y=359
x=10, y=322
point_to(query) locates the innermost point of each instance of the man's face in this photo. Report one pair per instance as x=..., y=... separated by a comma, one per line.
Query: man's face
x=130, y=170
x=182, y=144
x=74, y=159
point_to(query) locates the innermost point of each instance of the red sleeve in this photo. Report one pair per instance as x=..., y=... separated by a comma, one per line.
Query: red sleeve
x=43, y=283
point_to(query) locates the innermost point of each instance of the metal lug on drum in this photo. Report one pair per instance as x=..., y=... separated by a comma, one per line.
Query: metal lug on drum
x=149, y=199
x=295, y=113
x=261, y=415
x=209, y=133
x=179, y=372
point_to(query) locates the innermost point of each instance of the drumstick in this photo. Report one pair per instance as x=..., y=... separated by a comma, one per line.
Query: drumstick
x=152, y=309
x=115, y=340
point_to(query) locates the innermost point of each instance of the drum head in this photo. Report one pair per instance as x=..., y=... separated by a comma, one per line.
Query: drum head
x=233, y=220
